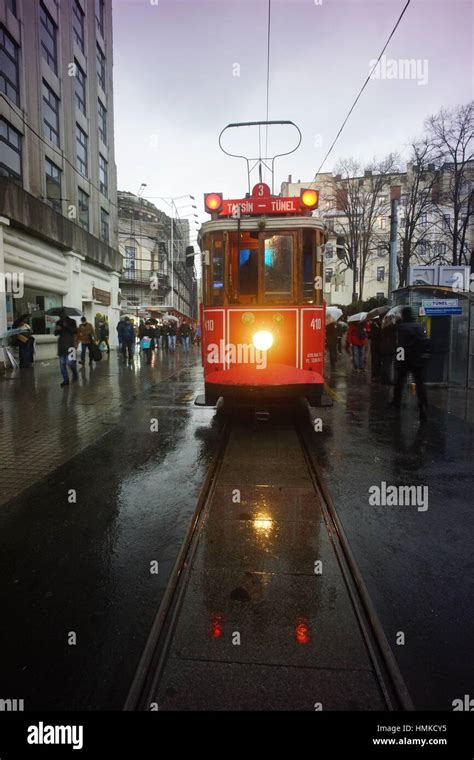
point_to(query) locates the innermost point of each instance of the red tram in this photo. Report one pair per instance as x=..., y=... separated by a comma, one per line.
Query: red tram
x=262, y=315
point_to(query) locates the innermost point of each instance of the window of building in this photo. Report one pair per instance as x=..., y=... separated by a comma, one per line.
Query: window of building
x=382, y=223
x=380, y=294
x=10, y=151
x=83, y=209
x=380, y=274
x=328, y=276
x=53, y=185
x=12, y=5
x=380, y=250
x=330, y=224
x=80, y=89
x=78, y=24
x=103, y=179
x=102, y=121
x=104, y=225
x=130, y=257
x=50, y=114
x=101, y=68
x=329, y=251
x=423, y=219
x=81, y=150
x=446, y=221
x=9, y=71
x=48, y=39
x=99, y=16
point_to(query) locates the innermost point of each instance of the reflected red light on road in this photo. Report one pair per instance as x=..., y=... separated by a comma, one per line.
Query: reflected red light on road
x=302, y=631
x=216, y=626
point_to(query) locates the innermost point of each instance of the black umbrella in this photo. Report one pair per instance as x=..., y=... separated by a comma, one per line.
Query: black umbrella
x=63, y=311
x=21, y=319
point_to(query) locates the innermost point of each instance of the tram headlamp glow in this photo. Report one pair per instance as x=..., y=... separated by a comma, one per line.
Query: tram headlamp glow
x=263, y=340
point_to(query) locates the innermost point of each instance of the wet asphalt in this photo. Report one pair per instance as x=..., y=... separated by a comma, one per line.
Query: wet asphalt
x=83, y=568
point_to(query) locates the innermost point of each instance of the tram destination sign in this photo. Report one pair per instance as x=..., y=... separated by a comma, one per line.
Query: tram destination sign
x=271, y=205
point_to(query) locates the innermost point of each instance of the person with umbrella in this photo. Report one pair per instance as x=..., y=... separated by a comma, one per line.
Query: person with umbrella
x=172, y=331
x=66, y=331
x=356, y=340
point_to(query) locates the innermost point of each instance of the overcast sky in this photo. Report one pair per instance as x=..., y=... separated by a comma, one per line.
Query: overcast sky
x=183, y=69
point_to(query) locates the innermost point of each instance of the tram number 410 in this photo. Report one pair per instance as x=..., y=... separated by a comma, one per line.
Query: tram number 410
x=316, y=324
x=209, y=324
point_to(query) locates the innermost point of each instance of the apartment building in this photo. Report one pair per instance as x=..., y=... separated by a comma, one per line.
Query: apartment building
x=58, y=190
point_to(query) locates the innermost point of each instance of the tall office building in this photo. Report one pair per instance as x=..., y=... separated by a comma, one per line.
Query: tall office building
x=58, y=189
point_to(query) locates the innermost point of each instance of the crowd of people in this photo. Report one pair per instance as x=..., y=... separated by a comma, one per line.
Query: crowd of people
x=397, y=350
x=151, y=335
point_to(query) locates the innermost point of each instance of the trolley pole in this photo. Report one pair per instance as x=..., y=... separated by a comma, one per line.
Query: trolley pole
x=395, y=192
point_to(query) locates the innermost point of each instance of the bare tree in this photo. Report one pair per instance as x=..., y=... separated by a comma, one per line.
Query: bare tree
x=451, y=135
x=421, y=180
x=364, y=203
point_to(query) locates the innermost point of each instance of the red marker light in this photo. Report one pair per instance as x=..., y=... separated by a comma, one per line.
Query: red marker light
x=309, y=199
x=302, y=631
x=216, y=625
x=213, y=202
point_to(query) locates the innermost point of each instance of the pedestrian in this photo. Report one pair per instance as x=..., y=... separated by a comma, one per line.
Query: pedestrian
x=412, y=354
x=26, y=344
x=185, y=333
x=147, y=340
x=120, y=326
x=141, y=329
x=375, y=354
x=356, y=340
x=388, y=347
x=103, y=330
x=172, y=336
x=164, y=336
x=66, y=329
x=128, y=341
x=198, y=335
x=340, y=335
x=331, y=343
x=85, y=336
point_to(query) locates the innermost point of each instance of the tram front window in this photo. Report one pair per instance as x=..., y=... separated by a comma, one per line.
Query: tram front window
x=278, y=268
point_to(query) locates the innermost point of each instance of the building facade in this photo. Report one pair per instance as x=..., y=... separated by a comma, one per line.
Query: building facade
x=431, y=242
x=150, y=285
x=58, y=205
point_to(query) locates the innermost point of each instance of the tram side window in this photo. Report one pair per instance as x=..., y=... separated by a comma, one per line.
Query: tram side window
x=278, y=268
x=308, y=265
x=218, y=274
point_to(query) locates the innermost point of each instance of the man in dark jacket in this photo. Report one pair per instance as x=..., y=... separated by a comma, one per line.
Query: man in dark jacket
x=128, y=340
x=185, y=333
x=66, y=330
x=331, y=343
x=412, y=346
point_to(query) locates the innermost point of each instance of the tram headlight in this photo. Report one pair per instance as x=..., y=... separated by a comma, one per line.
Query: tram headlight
x=263, y=340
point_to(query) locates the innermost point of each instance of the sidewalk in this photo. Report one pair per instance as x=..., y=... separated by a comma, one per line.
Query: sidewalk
x=43, y=425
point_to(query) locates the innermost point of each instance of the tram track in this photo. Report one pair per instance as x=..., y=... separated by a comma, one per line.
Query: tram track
x=146, y=683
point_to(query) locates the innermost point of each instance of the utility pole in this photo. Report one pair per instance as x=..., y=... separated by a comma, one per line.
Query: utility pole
x=395, y=194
